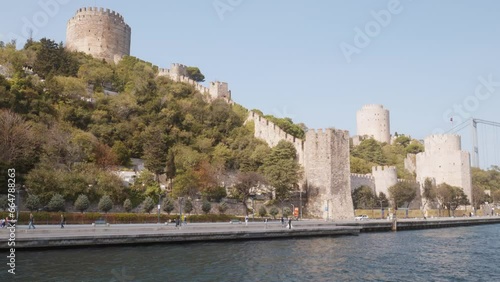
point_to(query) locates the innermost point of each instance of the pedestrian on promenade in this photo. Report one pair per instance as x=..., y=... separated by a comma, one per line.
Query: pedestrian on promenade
x=63, y=220
x=265, y=220
x=177, y=222
x=290, y=223
x=185, y=219
x=246, y=220
x=282, y=222
x=32, y=222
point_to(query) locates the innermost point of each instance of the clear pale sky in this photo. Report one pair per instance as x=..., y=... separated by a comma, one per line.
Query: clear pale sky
x=285, y=57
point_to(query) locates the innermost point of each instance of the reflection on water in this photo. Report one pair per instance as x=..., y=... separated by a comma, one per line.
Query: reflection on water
x=454, y=254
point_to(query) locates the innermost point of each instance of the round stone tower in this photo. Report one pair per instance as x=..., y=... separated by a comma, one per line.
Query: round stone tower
x=99, y=32
x=373, y=121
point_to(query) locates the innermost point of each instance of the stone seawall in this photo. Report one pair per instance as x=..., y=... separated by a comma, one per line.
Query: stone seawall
x=133, y=234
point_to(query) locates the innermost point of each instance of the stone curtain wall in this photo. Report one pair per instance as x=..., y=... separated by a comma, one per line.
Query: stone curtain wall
x=99, y=32
x=269, y=132
x=327, y=173
x=358, y=180
x=217, y=89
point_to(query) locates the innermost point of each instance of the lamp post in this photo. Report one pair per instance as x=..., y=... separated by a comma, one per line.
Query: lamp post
x=159, y=200
x=180, y=210
x=300, y=204
x=381, y=209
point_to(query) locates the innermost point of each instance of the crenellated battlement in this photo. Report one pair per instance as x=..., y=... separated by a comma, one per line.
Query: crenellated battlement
x=390, y=169
x=372, y=106
x=82, y=13
x=178, y=73
x=365, y=176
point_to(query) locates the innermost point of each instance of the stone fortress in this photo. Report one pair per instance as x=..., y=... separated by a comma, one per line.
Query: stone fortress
x=99, y=32
x=104, y=34
x=324, y=154
x=373, y=121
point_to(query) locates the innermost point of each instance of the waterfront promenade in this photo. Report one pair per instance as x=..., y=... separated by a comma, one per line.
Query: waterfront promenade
x=52, y=236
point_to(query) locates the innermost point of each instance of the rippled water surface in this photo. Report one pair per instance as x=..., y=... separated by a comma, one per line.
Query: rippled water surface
x=453, y=254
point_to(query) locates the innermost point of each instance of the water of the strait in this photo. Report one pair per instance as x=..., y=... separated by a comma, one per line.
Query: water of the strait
x=449, y=254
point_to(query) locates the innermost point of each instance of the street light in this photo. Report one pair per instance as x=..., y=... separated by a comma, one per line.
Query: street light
x=381, y=209
x=159, y=200
x=180, y=210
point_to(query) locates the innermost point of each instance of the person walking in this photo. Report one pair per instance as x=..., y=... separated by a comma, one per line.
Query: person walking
x=32, y=222
x=282, y=222
x=246, y=220
x=63, y=220
x=290, y=223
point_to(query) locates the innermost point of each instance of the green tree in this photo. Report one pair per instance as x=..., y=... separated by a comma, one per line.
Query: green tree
x=127, y=205
x=402, y=193
x=429, y=193
x=206, y=207
x=105, y=204
x=282, y=171
x=287, y=211
x=451, y=197
x=168, y=205
x=56, y=203
x=148, y=205
x=82, y=203
x=122, y=153
x=155, y=150
x=273, y=212
x=363, y=197
x=223, y=207
x=371, y=151
x=188, y=206
x=195, y=74
x=245, y=182
x=33, y=202
x=262, y=211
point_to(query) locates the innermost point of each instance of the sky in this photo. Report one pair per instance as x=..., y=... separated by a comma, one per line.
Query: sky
x=318, y=62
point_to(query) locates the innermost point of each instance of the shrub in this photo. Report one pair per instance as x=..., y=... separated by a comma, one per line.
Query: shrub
x=287, y=211
x=33, y=202
x=56, y=203
x=105, y=204
x=188, y=206
x=127, y=205
x=168, y=205
x=148, y=205
x=273, y=212
x=262, y=211
x=223, y=207
x=82, y=203
x=206, y=207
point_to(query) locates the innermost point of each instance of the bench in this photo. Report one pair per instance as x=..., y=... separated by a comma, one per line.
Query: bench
x=100, y=222
x=235, y=221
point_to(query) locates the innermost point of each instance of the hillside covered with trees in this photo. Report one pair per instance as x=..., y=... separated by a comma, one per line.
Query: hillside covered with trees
x=68, y=121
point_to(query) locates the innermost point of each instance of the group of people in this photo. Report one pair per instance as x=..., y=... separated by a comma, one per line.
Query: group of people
x=31, y=223
x=4, y=222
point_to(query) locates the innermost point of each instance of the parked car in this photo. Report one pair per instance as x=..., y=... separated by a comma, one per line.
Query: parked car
x=361, y=217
